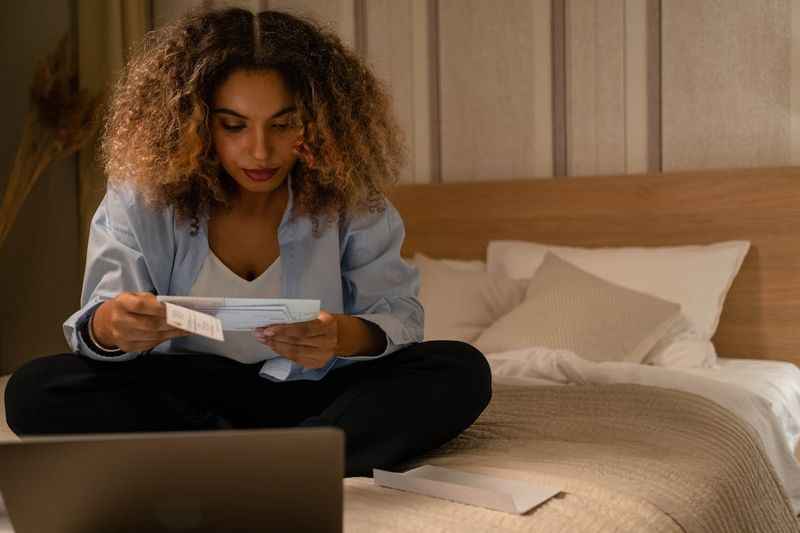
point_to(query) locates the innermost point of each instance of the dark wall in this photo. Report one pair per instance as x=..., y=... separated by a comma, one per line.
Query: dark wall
x=39, y=262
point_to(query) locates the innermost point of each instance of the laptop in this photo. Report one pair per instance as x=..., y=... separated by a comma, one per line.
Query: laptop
x=189, y=481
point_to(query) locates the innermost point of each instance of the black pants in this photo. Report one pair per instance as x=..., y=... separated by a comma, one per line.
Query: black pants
x=390, y=409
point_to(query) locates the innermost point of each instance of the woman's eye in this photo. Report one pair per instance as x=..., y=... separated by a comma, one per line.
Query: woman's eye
x=280, y=126
x=232, y=127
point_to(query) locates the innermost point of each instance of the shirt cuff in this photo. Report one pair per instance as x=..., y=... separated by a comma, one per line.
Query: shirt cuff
x=283, y=369
x=396, y=333
x=276, y=369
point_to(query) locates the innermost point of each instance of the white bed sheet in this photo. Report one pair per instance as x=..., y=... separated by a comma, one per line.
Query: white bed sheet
x=765, y=394
x=778, y=382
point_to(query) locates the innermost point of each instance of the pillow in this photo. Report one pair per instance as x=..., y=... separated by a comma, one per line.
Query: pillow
x=697, y=277
x=460, y=303
x=568, y=308
x=682, y=347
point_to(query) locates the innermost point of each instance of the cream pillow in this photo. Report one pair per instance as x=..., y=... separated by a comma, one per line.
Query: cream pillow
x=697, y=277
x=461, y=301
x=682, y=347
x=568, y=308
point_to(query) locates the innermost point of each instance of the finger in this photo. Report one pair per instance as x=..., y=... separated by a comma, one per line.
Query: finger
x=305, y=362
x=136, y=322
x=152, y=338
x=324, y=324
x=321, y=342
x=297, y=329
x=174, y=333
x=147, y=334
x=310, y=328
x=318, y=341
x=311, y=365
x=296, y=351
x=142, y=303
x=139, y=344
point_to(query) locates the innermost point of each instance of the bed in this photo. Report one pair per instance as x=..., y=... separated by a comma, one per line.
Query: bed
x=634, y=447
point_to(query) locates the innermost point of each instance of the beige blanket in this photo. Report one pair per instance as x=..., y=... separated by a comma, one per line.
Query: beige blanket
x=628, y=457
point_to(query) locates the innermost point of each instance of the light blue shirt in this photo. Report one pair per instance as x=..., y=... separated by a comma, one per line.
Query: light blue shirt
x=354, y=268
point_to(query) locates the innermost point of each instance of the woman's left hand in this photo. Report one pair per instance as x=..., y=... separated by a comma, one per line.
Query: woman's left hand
x=310, y=344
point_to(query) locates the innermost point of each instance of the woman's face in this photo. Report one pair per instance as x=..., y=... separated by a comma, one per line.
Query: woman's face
x=254, y=128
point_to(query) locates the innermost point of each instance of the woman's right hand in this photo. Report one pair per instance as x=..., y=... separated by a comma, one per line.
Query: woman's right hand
x=133, y=322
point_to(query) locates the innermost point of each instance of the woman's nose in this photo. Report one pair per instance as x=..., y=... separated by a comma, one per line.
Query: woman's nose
x=260, y=145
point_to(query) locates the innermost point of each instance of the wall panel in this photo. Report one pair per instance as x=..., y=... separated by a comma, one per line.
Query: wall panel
x=495, y=99
x=726, y=83
x=339, y=14
x=400, y=47
x=165, y=11
x=389, y=51
x=595, y=86
x=40, y=277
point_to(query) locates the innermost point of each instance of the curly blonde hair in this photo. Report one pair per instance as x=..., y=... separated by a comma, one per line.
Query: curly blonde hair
x=157, y=130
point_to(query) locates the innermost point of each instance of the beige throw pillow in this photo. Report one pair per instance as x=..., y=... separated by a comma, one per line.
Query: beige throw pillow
x=568, y=308
x=459, y=303
x=697, y=277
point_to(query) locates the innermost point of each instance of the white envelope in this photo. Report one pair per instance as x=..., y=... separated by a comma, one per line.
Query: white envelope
x=246, y=314
x=506, y=495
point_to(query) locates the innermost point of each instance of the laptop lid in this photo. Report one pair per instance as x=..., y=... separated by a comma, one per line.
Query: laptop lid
x=189, y=481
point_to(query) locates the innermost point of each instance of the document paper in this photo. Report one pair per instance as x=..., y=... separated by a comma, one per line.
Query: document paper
x=247, y=314
x=510, y=496
x=194, y=322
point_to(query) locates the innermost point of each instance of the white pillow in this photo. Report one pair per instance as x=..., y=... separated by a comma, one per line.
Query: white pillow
x=461, y=302
x=568, y=308
x=682, y=347
x=697, y=277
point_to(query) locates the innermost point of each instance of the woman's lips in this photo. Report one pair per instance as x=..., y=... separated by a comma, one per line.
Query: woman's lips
x=260, y=174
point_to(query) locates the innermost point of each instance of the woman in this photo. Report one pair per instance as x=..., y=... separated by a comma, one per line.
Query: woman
x=248, y=156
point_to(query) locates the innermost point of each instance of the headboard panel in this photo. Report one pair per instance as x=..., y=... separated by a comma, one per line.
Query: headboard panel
x=761, y=318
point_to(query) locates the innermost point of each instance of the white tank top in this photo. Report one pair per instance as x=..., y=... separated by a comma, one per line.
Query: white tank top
x=217, y=280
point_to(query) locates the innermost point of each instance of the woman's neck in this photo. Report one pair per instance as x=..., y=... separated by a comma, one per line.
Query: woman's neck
x=260, y=205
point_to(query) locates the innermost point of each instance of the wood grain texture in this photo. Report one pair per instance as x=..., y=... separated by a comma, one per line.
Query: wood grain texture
x=762, y=310
x=726, y=83
x=493, y=60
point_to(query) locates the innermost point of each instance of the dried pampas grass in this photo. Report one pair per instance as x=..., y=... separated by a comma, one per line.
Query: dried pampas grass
x=60, y=120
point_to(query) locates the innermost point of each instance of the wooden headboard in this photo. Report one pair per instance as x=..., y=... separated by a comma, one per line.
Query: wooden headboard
x=761, y=317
